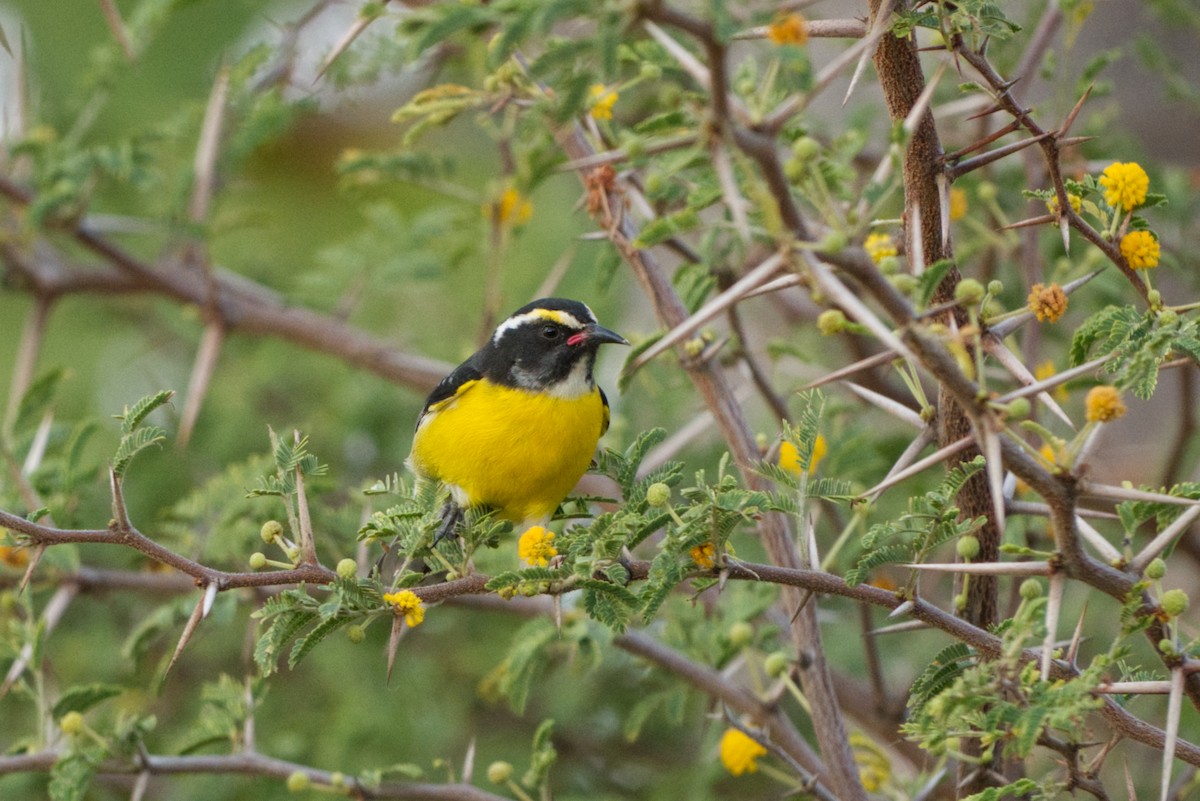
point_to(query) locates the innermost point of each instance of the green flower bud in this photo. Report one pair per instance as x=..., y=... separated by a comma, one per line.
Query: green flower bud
x=806, y=148
x=347, y=568
x=995, y=287
x=1154, y=298
x=904, y=282
x=507, y=593
x=794, y=169
x=834, y=242
x=1019, y=408
x=889, y=265
x=258, y=560
x=1168, y=317
x=741, y=634
x=650, y=72
x=960, y=601
x=338, y=779
x=71, y=723
x=1031, y=589
x=1156, y=569
x=271, y=531
x=969, y=292
x=987, y=191
x=499, y=772
x=693, y=347
x=298, y=781
x=776, y=664
x=1167, y=647
x=1174, y=602
x=356, y=634
x=968, y=547
x=831, y=321
x=658, y=494
x=293, y=553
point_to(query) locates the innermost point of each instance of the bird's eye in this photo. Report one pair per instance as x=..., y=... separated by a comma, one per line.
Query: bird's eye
x=550, y=332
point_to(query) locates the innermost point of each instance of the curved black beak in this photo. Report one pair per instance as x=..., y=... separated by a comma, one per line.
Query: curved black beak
x=599, y=335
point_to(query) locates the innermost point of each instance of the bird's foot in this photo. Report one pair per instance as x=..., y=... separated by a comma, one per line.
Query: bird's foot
x=452, y=515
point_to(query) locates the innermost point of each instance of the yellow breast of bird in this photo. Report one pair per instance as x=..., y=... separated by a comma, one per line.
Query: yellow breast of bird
x=512, y=449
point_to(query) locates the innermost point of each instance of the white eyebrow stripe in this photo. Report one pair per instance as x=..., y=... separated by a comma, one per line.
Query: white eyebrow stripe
x=553, y=315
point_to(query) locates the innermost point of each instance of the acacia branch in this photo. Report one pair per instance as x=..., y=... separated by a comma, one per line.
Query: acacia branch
x=128, y=536
x=473, y=588
x=252, y=764
x=238, y=303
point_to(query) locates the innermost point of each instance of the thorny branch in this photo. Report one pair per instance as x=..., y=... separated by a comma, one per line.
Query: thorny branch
x=809, y=580
x=239, y=304
x=252, y=764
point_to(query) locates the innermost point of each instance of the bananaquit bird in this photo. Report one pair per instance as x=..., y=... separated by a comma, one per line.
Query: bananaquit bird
x=515, y=426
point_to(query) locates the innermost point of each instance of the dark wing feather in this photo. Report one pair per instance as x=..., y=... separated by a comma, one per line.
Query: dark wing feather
x=604, y=425
x=449, y=386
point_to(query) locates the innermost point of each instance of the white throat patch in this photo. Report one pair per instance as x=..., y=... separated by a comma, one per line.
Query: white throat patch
x=575, y=385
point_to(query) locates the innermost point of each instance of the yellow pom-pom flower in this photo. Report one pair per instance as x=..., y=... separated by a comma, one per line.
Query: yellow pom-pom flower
x=1075, y=200
x=789, y=457
x=511, y=208
x=788, y=29
x=879, y=247
x=704, y=555
x=407, y=603
x=1104, y=404
x=536, y=546
x=958, y=204
x=14, y=556
x=1125, y=185
x=1140, y=249
x=603, y=99
x=740, y=752
x=1049, y=303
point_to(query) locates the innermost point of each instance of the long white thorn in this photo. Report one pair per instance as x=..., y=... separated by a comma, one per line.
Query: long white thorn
x=1165, y=538
x=995, y=473
x=1135, y=688
x=1174, y=707
x=1114, y=493
x=1009, y=361
x=892, y=407
x=855, y=308
x=917, y=467
x=987, y=568
x=1053, y=610
x=714, y=307
x=1053, y=381
x=1097, y=541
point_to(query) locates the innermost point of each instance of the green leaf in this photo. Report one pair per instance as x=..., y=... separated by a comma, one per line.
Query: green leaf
x=525, y=661
x=667, y=122
x=931, y=279
x=945, y=667
x=38, y=399
x=70, y=777
x=319, y=632
x=543, y=756
x=132, y=418
x=134, y=443
x=661, y=229
x=1021, y=788
x=83, y=698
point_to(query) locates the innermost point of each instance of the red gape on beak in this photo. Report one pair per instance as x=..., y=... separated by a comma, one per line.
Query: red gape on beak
x=598, y=334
